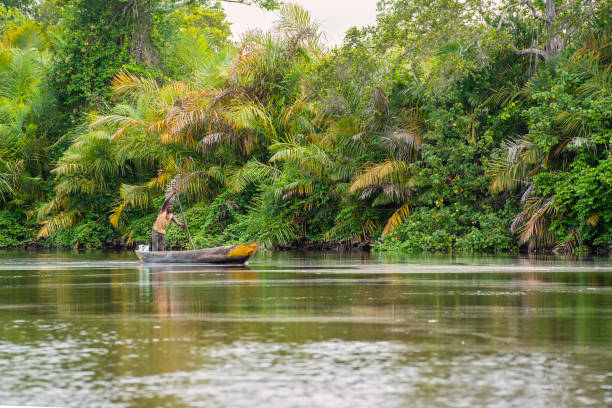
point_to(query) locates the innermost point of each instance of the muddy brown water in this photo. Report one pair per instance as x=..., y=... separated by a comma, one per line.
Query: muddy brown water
x=305, y=330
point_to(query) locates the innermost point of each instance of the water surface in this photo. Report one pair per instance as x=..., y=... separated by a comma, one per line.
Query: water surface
x=292, y=330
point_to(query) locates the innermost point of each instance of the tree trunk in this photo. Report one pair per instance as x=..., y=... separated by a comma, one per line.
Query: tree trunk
x=142, y=49
x=550, y=17
x=553, y=41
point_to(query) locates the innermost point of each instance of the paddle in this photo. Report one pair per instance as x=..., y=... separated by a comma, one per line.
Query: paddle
x=175, y=184
x=185, y=221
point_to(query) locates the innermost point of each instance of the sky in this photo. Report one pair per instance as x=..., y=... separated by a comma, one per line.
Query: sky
x=335, y=16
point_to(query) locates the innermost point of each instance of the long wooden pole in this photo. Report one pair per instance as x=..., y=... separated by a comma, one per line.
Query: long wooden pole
x=185, y=220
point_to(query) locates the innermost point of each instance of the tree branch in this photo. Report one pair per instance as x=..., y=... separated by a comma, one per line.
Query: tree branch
x=530, y=51
x=568, y=36
x=262, y=3
x=391, y=72
x=504, y=13
x=566, y=7
x=535, y=12
x=525, y=2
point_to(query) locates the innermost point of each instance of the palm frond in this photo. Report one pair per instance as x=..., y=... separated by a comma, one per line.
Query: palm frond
x=598, y=81
x=503, y=96
x=136, y=195
x=533, y=221
x=347, y=135
x=253, y=172
x=27, y=36
x=593, y=220
x=296, y=24
x=212, y=139
x=299, y=188
x=415, y=120
x=127, y=84
x=144, y=150
x=403, y=144
x=309, y=158
x=514, y=164
x=120, y=124
x=20, y=81
x=397, y=218
x=573, y=125
x=389, y=171
x=380, y=100
x=118, y=215
x=195, y=184
x=8, y=174
x=250, y=114
x=597, y=46
x=59, y=222
x=368, y=229
x=570, y=243
x=388, y=193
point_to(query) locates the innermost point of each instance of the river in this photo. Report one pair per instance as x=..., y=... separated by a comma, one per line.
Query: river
x=305, y=330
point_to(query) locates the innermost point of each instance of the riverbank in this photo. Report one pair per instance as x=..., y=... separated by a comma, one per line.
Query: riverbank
x=416, y=235
x=320, y=247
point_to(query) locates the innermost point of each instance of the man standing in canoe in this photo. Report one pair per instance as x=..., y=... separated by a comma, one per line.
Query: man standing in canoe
x=164, y=219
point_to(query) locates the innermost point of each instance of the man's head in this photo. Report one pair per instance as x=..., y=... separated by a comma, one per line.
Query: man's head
x=169, y=208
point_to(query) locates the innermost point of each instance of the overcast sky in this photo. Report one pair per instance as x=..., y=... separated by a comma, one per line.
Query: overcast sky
x=336, y=16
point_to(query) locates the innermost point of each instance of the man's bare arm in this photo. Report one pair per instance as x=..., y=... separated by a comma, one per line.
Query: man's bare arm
x=167, y=201
x=177, y=222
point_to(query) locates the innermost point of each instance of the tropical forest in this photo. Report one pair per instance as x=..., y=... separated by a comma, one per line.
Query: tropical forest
x=448, y=126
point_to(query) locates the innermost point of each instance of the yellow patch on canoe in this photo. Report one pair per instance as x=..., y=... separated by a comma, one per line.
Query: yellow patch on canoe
x=243, y=250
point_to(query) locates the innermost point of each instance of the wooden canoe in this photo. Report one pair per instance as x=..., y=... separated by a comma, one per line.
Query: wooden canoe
x=232, y=254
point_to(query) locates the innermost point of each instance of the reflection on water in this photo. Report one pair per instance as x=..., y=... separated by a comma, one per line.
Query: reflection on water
x=101, y=330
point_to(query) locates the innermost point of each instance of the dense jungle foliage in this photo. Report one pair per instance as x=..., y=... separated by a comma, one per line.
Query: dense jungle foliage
x=450, y=125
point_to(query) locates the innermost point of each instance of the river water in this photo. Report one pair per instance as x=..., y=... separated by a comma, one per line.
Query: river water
x=315, y=330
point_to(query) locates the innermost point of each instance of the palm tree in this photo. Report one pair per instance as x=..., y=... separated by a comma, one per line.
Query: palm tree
x=132, y=141
x=203, y=130
x=390, y=182
x=87, y=168
x=23, y=56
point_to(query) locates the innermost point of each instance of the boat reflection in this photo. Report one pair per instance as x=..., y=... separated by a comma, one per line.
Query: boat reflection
x=180, y=290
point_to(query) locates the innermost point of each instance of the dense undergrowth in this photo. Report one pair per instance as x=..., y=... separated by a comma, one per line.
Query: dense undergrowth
x=448, y=126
